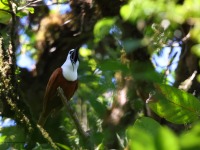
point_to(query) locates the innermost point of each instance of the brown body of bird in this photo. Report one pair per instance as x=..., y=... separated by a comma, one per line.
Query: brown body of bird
x=64, y=77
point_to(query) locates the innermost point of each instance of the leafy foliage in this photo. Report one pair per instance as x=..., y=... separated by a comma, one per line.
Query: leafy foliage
x=148, y=134
x=175, y=105
x=5, y=12
x=118, y=73
x=12, y=136
x=103, y=27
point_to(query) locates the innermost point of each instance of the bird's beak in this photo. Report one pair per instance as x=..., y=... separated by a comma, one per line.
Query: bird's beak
x=75, y=57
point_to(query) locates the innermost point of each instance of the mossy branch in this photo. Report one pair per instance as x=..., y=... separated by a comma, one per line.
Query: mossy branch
x=10, y=94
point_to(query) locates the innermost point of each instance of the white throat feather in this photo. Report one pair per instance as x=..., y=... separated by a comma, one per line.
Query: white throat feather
x=69, y=70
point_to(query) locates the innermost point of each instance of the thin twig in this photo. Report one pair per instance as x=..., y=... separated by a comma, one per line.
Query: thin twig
x=34, y=4
x=72, y=113
x=29, y=4
x=185, y=38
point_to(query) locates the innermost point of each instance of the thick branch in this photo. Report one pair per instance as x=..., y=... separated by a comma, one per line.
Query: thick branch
x=12, y=50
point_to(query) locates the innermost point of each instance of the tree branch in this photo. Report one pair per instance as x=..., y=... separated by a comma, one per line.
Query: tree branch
x=72, y=113
x=13, y=38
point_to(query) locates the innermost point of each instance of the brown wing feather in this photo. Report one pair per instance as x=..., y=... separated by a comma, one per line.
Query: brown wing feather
x=49, y=94
x=52, y=86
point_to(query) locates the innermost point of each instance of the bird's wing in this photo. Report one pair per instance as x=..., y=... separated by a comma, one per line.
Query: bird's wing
x=52, y=85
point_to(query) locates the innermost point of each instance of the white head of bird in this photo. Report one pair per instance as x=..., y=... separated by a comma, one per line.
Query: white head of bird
x=70, y=66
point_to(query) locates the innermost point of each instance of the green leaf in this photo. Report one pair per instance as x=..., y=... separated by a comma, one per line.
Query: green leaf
x=63, y=146
x=21, y=14
x=2, y=138
x=131, y=44
x=25, y=11
x=167, y=140
x=143, y=71
x=135, y=10
x=4, y=16
x=196, y=50
x=141, y=135
x=99, y=108
x=30, y=9
x=2, y=6
x=100, y=147
x=103, y=27
x=147, y=134
x=189, y=140
x=148, y=125
x=113, y=65
x=175, y=105
x=127, y=10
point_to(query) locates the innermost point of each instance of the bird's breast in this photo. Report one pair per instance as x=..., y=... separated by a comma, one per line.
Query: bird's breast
x=69, y=87
x=69, y=71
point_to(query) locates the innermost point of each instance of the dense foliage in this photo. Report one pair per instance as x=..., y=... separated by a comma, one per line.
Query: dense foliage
x=138, y=75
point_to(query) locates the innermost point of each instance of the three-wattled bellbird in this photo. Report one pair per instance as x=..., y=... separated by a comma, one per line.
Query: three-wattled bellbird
x=64, y=77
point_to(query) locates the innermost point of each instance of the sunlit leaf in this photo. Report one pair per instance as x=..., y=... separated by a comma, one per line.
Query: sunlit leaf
x=4, y=16
x=195, y=32
x=175, y=105
x=85, y=52
x=100, y=147
x=103, y=27
x=139, y=140
x=196, y=49
x=148, y=125
x=166, y=140
x=135, y=10
x=2, y=139
x=127, y=10
x=30, y=9
x=64, y=147
x=192, y=7
x=147, y=134
x=25, y=11
x=3, y=5
x=189, y=140
x=21, y=14
x=14, y=135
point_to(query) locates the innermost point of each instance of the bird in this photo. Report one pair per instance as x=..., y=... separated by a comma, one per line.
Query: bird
x=65, y=77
